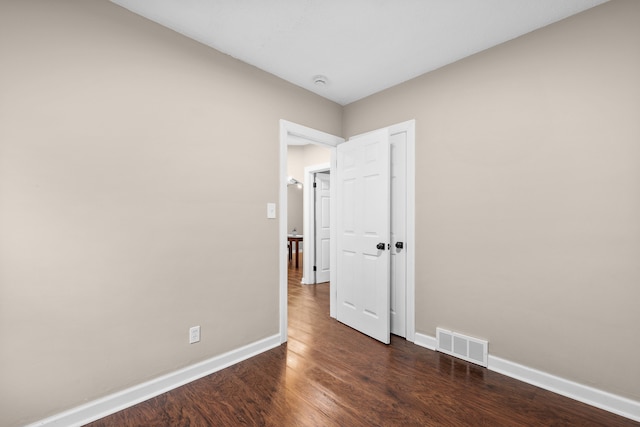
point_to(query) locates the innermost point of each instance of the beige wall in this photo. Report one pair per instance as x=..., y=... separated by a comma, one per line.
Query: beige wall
x=528, y=196
x=295, y=205
x=135, y=166
x=302, y=156
x=298, y=158
x=120, y=226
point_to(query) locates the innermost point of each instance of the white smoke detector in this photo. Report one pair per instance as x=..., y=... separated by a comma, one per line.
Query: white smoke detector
x=320, y=80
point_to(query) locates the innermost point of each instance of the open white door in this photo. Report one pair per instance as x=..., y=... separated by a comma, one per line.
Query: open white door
x=363, y=222
x=322, y=189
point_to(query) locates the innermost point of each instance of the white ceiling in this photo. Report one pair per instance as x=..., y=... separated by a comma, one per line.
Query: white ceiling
x=361, y=46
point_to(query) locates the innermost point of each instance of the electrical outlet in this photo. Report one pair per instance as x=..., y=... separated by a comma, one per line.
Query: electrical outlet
x=194, y=334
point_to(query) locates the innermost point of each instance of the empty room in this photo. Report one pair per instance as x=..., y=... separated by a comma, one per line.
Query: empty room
x=486, y=272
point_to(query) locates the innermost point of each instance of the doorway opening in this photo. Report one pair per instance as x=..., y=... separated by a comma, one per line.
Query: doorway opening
x=290, y=131
x=316, y=216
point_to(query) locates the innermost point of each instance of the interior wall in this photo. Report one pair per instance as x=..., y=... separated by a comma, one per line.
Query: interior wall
x=298, y=158
x=301, y=156
x=295, y=162
x=528, y=196
x=120, y=229
x=295, y=204
x=294, y=194
x=135, y=167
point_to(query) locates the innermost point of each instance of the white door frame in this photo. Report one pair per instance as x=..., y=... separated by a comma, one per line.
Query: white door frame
x=289, y=130
x=410, y=128
x=292, y=130
x=308, y=215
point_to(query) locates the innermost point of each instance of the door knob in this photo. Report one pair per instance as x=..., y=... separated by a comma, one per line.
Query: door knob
x=380, y=246
x=399, y=245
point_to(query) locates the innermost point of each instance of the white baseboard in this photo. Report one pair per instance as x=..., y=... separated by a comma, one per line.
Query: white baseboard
x=108, y=405
x=425, y=341
x=591, y=396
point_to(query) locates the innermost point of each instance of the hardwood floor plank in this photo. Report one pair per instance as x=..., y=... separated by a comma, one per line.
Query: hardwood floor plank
x=331, y=375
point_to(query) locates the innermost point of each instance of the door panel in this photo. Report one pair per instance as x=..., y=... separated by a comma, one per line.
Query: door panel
x=363, y=222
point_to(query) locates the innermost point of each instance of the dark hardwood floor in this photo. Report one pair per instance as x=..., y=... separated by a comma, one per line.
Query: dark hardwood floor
x=330, y=375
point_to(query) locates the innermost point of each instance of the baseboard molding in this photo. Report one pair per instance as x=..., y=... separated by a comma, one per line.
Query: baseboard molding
x=108, y=405
x=425, y=341
x=591, y=396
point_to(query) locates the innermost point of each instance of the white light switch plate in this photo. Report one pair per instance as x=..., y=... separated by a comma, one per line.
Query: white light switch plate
x=194, y=334
x=271, y=210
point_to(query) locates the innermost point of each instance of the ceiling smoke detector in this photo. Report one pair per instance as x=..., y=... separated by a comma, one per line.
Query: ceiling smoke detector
x=320, y=80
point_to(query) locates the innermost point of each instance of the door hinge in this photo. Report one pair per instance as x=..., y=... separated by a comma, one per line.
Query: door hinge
x=314, y=185
x=314, y=268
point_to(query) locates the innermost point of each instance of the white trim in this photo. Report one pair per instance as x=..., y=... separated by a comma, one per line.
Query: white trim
x=333, y=244
x=410, y=311
x=591, y=396
x=113, y=403
x=425, y=341
x=287, y=130
x=282, y=240
x=582, y=393
x=308, y=244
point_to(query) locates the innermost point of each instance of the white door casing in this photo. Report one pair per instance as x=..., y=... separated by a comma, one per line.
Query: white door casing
x=363, y=234
x=322, y=186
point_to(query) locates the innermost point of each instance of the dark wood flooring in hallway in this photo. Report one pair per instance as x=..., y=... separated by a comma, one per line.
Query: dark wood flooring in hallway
x=330, y=375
